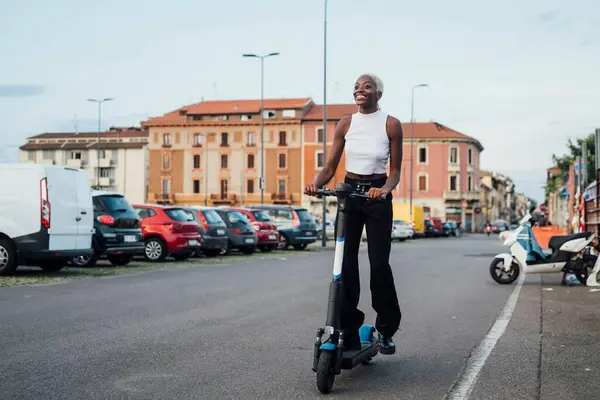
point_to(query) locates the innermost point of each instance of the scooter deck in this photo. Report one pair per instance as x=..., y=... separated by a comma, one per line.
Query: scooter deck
x=352, y=358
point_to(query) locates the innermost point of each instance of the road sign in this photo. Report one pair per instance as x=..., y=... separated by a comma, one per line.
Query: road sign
x=464, y=204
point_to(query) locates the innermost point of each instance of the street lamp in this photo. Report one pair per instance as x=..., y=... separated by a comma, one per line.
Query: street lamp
x=262, y=123
x=323, y=225
x=98, y=137
x=412, y=139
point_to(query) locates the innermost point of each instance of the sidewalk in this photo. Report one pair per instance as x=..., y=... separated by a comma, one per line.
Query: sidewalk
x=551, y=348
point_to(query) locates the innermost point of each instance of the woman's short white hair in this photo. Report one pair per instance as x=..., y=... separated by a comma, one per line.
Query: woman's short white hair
x=378, y=82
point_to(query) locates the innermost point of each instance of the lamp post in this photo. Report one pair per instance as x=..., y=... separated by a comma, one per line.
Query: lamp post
x=262, y=122
x=323, y=224
x=98, y=136
x=412, y=139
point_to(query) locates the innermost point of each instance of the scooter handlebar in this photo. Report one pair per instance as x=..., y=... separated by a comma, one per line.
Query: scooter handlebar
x=331, y=192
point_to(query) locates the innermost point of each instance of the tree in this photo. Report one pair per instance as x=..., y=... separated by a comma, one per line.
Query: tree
x=574, y=152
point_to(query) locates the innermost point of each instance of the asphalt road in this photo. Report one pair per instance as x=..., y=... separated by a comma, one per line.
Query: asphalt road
x=246, y=331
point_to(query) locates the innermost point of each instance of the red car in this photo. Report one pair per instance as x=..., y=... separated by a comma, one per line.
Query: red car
x=266, y=230
x=168, y=231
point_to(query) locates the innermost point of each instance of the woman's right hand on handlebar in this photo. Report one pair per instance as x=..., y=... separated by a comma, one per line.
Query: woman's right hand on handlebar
x=310, y=189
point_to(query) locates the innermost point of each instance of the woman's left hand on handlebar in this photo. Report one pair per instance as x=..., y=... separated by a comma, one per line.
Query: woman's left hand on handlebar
x=310, y=189
x=378, y=193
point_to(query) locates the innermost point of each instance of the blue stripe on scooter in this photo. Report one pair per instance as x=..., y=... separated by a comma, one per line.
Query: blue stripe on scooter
x=328, y=346
x=339, y=239
x=336, y=277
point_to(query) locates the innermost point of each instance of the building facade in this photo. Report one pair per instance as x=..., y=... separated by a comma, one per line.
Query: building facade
x=118, y=162
x=445, y=174
x=210, y=153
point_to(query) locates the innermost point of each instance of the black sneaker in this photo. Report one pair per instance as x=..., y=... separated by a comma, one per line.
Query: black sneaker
x=387, y=346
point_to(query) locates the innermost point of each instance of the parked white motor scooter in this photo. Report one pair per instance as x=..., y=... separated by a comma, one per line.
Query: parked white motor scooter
x=570, y=254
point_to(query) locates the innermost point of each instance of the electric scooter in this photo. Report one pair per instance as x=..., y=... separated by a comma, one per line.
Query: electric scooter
x=571, y=254
x=330, y=357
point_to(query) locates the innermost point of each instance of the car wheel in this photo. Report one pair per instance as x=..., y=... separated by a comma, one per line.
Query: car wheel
x=85, y=261
x=155, y=250
x=284, y=243
x=300, y=246
x=119, y=261
x=8, y=257
x=248, y=250
x=211, y=253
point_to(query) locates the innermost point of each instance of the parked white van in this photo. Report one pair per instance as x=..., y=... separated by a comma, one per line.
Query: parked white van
x=46, y=216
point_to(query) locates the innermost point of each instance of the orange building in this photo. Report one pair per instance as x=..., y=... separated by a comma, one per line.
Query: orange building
x=209, y=153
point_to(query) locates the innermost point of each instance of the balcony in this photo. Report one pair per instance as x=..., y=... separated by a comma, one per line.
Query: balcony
x=74, y=162
x=224, y=199
x=105, y=182
x=161, y=198
x=47, y=161
x=459, y=196
x=285, y=198
x=105, y=162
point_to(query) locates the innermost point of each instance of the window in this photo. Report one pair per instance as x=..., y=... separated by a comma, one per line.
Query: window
x=320, y=159
x=75, y=155
x=453, y=155
x=289, y=113
x=470, y=156
x=250, y=186
x=422, y=183
x=196, y=138
x=281, y=186
x=166, y=186
x=196, y=186
x=106, y=172
x=250, y=161
x=246, y=117
x=282, y=160
x=453, y=183
x=320, y=135
x=166, y=161
x=223, y=160
x=269, y=114
x=251, y=139
x=224, y=137
x=177, y=214
x=423, y=155
x=282, y=138
x=31, y=155
x=223, y=188
x=166, y=139
x=470, y=182
x=196, y=161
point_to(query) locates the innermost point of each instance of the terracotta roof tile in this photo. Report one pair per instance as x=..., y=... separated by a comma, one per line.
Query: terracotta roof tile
x=223, y=107
x=335, y=112
x=435, y=130
x=112, y=133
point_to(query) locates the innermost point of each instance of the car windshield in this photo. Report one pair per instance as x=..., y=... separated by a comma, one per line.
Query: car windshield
x=212, y=217
x=116, y=203
x=237, y=219
x=305, y=216
x=261, y=216
x=178, y=214
x=399, y=223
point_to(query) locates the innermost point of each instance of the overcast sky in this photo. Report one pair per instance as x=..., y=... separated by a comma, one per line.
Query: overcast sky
x=520, y=76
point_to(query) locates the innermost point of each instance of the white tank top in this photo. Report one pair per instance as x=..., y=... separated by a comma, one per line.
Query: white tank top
x=367, y=145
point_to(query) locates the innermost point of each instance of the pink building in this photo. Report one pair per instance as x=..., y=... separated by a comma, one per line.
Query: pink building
x=445, y=172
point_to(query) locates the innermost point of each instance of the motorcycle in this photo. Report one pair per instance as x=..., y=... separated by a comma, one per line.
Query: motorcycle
x=571, y=254
x=488, y=230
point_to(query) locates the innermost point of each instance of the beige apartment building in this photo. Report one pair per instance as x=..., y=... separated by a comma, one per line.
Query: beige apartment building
x=209, y=153
x=122, y=161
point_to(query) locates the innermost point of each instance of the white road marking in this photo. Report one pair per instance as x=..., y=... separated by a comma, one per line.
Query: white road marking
x=462, y=389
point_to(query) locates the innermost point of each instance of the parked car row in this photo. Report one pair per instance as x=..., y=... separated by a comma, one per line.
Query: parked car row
x=50, y=217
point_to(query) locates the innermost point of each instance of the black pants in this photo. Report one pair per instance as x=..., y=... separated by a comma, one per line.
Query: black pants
x=377, y=216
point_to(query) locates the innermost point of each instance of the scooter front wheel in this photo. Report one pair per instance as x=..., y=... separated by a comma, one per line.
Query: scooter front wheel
x=500, y=275
x=326, y=371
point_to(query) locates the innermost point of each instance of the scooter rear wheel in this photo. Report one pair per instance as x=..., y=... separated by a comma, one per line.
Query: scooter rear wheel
x=325, y=372
x=501, y=276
